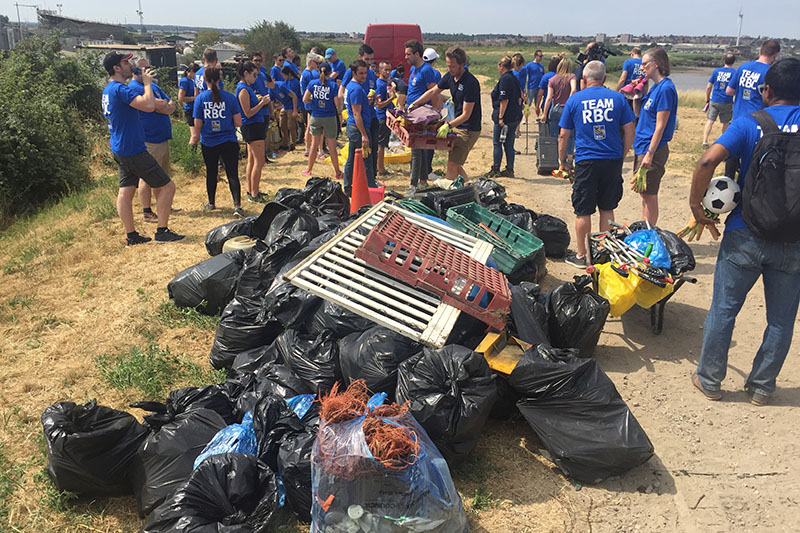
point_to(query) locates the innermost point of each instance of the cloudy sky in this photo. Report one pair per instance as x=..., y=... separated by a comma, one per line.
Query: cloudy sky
x=774, y=18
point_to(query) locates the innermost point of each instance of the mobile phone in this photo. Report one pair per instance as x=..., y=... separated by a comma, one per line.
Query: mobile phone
x=136, y=70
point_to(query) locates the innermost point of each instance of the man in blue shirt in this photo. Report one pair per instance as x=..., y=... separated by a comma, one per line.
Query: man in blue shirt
x=121, y=106
x=359, y=112
x=535, y=71
x=288, y=56
x=718, y=101
x=383, y=102
x=420, y=79
x=631, y=68
x=744, y=86
x=157, y=133
x=367, y=55
x=275, y=71
x=744, y=257
x=338, y=67
x=597, y=115
x=209, y=60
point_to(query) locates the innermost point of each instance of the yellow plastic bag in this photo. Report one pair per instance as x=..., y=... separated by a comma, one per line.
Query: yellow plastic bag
x=618, y=290
x=647, y=294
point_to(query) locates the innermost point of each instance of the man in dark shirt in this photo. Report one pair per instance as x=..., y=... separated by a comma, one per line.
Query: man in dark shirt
x=465, y=90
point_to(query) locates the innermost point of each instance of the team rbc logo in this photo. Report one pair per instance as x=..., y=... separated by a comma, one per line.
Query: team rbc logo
x=598, y=110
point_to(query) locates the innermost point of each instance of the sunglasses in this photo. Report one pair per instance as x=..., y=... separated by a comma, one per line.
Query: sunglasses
x=762, y=89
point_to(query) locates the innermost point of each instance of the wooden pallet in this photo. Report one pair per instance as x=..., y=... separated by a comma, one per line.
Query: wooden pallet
x=334, y=273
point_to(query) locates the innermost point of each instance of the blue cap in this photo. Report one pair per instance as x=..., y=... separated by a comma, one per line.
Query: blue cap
x=329, y=52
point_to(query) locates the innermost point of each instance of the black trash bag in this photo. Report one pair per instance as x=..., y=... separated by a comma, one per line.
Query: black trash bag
x=680, y=252
x=287, y=303
x=327, y=222
x=212, y=397
x=553, y=232
x=578, y=415
x=577, y=315
x=451, y=392
x=252, y=360
x=529, y=313
x=217, y=236
x=91, y=448
x=326, y=196
x=342, y=322
x=374, y=357
x=243, y=326
x=467, y=331
x=209, y=285
x=291, y=198
x=519, y=215
x=314, y=358
x=261, y=266
x=489, y=192
x=264, y=221
x=269, y=379
x=505, y=408
x=441, y=201
x=293, y=223
x=166, y=457
x=294, y=464
x=273, y=420
x=533, y=268
x=226, y=492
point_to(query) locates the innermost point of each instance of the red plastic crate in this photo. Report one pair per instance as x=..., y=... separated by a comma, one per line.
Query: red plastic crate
x=425, y=139
x=417, y=257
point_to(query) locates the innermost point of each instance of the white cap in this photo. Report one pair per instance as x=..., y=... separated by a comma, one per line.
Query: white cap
x=429, y=54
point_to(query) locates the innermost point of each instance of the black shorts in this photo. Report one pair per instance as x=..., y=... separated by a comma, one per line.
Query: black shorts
x=142, y=166
x=187, y=113
x=257, y=131
x=383, y=134
x=598, y=184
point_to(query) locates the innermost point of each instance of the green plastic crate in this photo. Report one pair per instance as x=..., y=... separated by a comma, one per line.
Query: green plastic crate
x=513, y=245
x=415, y=206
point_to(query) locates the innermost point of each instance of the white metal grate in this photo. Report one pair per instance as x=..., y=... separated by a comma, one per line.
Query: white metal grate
x=334, y=273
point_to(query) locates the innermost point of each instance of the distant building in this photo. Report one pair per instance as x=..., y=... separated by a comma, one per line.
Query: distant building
x=157, y=55
x=226, y=51
x=85, y=29
x=9, y=36
x=625, y=38
x=547, y=38
x=600, y=38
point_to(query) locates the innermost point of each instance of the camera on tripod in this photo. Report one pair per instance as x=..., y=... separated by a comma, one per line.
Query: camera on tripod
x=598, y=52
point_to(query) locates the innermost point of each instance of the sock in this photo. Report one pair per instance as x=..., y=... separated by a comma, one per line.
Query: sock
x=161, y=230
x=147, y=210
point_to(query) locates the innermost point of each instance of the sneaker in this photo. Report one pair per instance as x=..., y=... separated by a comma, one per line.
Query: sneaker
x=506, y=173
x=384, y=173
x=493, y=173
x=573, y=259
x=412, y=190
x=423, y=184
x=705, y=145
x=306, y=173
x=757, y=396
x=251, y=198
x=305, y=154
x=238, y=212
x=321, y=156
x=175, y=210
x=168, y=236
x=709, y=394
x=517, y=152
x=262, y=198
x=209, y=207
x=268, y=161
x=136, y=239
x=150, y=217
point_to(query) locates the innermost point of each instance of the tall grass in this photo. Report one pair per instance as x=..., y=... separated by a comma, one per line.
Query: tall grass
x=695, y=98
x=190, y=160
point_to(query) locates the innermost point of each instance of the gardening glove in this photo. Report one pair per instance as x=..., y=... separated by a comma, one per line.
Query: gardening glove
x=526, y=110
x=640, y=180
x=443, y=130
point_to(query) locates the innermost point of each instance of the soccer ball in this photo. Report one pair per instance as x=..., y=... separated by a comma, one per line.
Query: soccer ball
x=722, y=195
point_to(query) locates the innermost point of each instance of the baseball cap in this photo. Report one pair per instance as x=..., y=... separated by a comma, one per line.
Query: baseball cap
x=329, y=52
x=429, y=54
x=113, y=59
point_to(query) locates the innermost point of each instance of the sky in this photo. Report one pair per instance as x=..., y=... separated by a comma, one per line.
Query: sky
x=773, y=18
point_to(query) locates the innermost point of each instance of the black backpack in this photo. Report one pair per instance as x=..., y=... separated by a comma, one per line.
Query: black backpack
x=771, y=196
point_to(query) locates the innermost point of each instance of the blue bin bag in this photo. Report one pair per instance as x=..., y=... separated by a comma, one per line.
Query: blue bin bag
x=236, y=438
x=659, y=255
x=301, y=404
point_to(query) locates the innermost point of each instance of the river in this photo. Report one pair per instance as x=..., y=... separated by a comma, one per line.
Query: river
x=689, y=79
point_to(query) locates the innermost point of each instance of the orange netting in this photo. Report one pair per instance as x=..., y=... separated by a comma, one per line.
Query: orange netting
x=393, y=446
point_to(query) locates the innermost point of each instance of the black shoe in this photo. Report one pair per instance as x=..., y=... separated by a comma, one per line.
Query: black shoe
x=136, y=239
x=506, y=173
x=167, y=236
x=578, y=262
x=238, y=212
x=493, y=173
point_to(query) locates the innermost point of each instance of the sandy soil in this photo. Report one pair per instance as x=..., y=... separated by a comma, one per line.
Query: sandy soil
x=724, y=466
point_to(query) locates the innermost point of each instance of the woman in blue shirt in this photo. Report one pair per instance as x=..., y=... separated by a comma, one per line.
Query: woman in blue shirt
x=322, y=96
x=186, y=94
x=217, y=114
x=655, y=128
x=290, y=102
x=254, y=129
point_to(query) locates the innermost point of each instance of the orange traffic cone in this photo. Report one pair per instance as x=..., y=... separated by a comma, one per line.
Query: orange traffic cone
x=360, y=191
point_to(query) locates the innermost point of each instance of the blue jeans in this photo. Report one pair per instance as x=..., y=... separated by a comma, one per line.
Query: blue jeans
x=354, y=138
x=508, y=146
x=742, y=259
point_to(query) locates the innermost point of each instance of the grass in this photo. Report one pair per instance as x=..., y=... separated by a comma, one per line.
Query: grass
x=10, y=476
x=181, y=154
x=476, y=470
x=153, y=371
x=693, y=98
x=175, y=317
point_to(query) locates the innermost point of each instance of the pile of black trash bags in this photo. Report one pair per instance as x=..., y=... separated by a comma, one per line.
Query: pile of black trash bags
x=279, y=342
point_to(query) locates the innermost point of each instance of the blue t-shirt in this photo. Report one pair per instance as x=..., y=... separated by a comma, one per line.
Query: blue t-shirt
x=522, y=78
x=294, y=85
x=596, y=114
x=258, y=117
x=200, y=82
x=322, y=103
x=157, y=127
x=633, y=69
x=187, y=85
x=355, y=94
x=282, y=92
x=275, y=73
x=382, y=94
x=292, y=66
x=437, y=76
x=662, y=96
x=127, y=134
x=369, y=85
x=745, y=82
x=218, y=126
x=418, y=81
x=261, y=89
x=535, y=71
x=740, y=140
x=339, y=68
x=305, y=79
x=545, y=86
x=262, y=70
x=719, y=79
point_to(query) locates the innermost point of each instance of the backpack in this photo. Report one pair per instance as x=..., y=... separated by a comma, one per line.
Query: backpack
x=771, y=196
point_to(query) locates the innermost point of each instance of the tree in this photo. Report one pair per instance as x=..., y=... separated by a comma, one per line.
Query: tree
x=204, y=39
x=271, y=37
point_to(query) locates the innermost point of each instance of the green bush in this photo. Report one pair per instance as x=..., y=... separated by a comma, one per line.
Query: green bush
x=191, y=161
x=43, y=140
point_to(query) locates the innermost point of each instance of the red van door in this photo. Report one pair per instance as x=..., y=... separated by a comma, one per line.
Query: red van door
x=387, y=41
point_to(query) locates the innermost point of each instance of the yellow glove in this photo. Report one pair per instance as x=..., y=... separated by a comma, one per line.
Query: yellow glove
x=443, y=130
x=526, y=110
